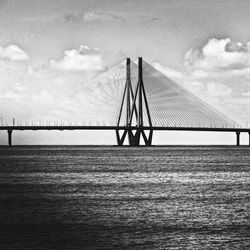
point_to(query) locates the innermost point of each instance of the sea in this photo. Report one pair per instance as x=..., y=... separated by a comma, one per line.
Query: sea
x=106, y=197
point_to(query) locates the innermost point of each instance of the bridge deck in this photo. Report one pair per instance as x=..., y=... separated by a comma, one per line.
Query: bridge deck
x=205, y=129
x=237, y=130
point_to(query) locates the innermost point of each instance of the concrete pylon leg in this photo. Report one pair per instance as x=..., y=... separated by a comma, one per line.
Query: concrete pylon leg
x=10, y=137
x=238, y=138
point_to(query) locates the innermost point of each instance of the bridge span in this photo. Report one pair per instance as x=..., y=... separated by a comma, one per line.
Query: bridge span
x=137, y=100
x=237, y=131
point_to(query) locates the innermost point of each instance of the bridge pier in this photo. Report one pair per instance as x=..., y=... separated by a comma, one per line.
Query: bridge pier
x=237, y=138
x=135, y=107
x=9, y=137
x=134, y=138
x=120, y=139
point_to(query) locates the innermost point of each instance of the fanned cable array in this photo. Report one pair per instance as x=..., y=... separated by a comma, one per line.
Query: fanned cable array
x=173, y=106
x=99, y=103
x=170, y=104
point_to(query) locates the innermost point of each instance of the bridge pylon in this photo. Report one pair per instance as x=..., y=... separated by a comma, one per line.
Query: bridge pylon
x=136, y=108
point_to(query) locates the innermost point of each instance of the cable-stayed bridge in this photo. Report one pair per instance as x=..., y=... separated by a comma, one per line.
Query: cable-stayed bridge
x=134, y=99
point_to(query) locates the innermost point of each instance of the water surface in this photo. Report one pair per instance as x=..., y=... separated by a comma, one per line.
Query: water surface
x=72, y=197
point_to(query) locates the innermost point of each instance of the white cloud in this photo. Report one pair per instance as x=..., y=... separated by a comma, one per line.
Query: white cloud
x=83, y=59
x=74, y=17
x=19, y=87
x=171, y=73
x=198, y=73
x=13, y=53
x=219, y=54
x=45, y=18
x=247, y=94
x=91, y=16
x=11, y=95
x=94, y=16
x=43, y=98
x=218, y=89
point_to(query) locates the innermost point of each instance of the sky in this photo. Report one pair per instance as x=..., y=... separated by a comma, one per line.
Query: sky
x=51, y=50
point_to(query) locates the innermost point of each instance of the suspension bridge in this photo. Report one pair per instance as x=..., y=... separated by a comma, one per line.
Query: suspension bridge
x=134, y=99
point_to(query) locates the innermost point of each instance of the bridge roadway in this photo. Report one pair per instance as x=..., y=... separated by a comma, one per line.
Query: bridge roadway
x=9, y=129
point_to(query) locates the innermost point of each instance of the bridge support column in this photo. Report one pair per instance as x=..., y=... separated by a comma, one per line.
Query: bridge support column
x=135, y=109
x=120, y=139
x=249, y=137
x=9, y=137
x=134, y=138
x=238, y=138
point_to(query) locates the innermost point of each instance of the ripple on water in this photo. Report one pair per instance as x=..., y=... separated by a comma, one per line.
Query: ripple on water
x=102, y=198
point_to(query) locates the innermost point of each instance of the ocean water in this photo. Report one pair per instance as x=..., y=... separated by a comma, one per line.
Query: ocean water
x=72, y=197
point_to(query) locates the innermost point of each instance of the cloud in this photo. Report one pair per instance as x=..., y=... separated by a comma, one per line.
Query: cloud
x=171, y=73
x=218, y=55
x=93, y=16
x=83, y=59
x=44, y=97
x=218, y=89
x=189, y=80
x=75, y=17
x=33, y=92
x=19, y=87
x=13, y=53
x=246, y=94
x=90, y=16
x=46, y=18
x=11, y=95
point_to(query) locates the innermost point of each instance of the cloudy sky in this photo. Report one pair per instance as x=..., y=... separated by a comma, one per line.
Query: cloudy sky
x=51, y=50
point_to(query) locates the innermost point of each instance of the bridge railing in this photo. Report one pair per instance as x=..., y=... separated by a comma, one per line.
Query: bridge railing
x=40, y=123
x=47, y=123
